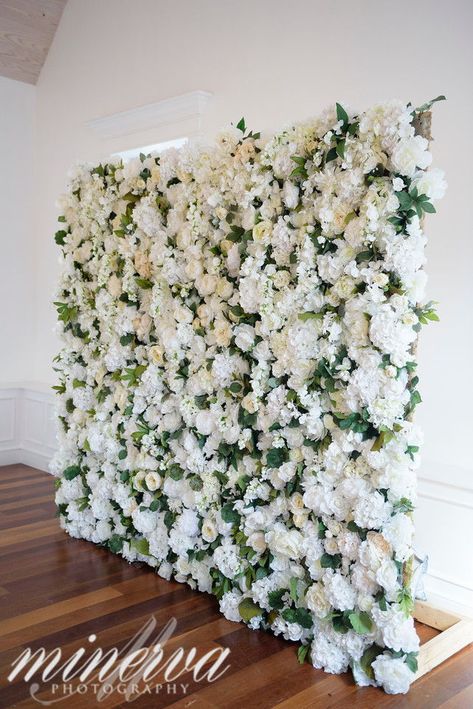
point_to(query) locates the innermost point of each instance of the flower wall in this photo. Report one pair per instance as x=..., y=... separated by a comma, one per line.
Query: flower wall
x=237, y=376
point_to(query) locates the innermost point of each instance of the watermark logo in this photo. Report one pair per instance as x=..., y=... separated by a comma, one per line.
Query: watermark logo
x=142, y=666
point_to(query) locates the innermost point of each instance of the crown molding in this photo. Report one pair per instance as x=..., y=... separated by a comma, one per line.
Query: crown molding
x=186, y=107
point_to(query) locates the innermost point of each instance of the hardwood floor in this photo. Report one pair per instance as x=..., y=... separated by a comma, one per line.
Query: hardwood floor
x=56, y=591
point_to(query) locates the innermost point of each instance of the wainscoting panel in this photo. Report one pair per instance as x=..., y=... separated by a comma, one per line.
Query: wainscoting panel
x=27, y=428
x=444, y=530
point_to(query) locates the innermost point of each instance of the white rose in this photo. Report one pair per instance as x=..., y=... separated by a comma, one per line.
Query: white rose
x=120, y=396
x=138, y=480
x=411, y=153
x=290, y=194
x=155, y=354
x=222, y=332
x=114, y=286
x=206, y=284
x=244, y=337
x=432, y=183
x=262, y=232
x=194, y=269
x=250, y=403
x=284, y=541
x=209, y=530
x=204, y=423
x=224, y=288
x=153, y=481
x=393, y=674
x=317, y=600
x=257, y=542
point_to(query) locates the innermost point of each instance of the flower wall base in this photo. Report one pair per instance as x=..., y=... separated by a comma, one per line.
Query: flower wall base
x=237, y=379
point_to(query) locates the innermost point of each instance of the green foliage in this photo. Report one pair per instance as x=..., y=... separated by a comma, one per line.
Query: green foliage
x=428, y=105
x=275, y=598
x=229, y=514
x=298, y=615
x=248, y=609
x=330, y=561
x=360, y=622
x=411, y=203
x=71, y=472
x=303, y=654
x=66, y=313
x=406, y=602
x=275, y=457
x=141, y=546
x=115, y=544
x=367, y=659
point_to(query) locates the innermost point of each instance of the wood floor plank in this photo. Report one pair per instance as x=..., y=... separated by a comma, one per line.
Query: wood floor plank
x=55, y=610
x=55, y=592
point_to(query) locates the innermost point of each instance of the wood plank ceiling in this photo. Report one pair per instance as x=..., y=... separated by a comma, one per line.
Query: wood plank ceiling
x=27, y=29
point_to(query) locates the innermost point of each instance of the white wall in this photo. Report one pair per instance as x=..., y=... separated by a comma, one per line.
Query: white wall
x=17, y=331
x=275, y=62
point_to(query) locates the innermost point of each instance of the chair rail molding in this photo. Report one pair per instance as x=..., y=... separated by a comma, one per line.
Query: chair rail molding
x=27, y=426
x=187, y=108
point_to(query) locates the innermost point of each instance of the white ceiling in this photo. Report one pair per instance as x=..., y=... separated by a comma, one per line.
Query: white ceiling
x=27, y=29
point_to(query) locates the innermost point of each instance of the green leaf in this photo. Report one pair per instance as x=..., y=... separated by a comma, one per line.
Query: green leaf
x=141, y=546
x=428, y=105
x=275, y=457
x=298, y=615
x=367, y=659
x=71, y=472
x=342, y=115
x=411, y=661
x=428, y=207
x=310, y=316
x=340, y=149
x=144, y=283
x=275, y=598
x=360, y=622
x=229, y=514
x=241, y=125
x=406, y=602
x=293, y=588
x=302, y=653
x=330, y=561
x=248, y=609
x=60, y=237
x=115, y=543
x=331, y=155
x=175, y=471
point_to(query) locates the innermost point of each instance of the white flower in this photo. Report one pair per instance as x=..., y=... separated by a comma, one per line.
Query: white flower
x=244, y=337
x=209, y=530
x=153, y=481
x=339, y=592
x=432, y=183
x=371, y=511
x=326, y=655
x=392, y=674
x=316, y=600
x=411, y=153
x=282, y=540
x=204, y=422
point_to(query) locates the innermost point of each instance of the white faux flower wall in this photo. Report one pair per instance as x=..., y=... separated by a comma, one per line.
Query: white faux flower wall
x=238, y=375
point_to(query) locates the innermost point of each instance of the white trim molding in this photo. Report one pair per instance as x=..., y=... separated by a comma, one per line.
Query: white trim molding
x=187, y=108
x=27, y=428
x=444, y=527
